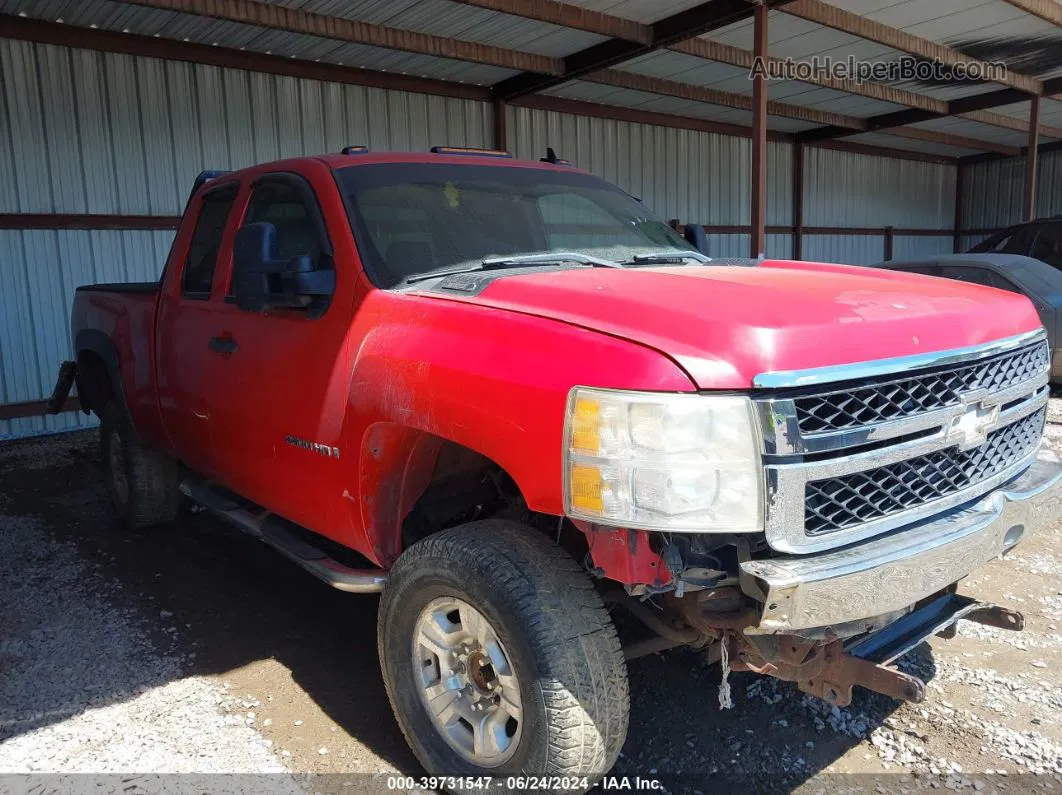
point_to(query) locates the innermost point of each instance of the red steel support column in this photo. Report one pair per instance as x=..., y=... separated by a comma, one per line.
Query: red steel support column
x=759, y=137
x=1032, y=159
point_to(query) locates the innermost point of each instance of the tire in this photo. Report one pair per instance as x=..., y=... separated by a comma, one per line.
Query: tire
x=143, y=482
x=553, y=629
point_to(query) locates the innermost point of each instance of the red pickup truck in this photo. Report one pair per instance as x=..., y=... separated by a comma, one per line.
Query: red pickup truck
x=509, y=398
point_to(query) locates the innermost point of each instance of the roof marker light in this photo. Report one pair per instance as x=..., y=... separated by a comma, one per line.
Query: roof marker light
x=464, y=150
x=360, y=149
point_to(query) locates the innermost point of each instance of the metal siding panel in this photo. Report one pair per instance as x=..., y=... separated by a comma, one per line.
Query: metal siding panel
x=845, y=249
x=912, y=246
x=779, y=246
x=779, y=184
x=721, y=246
x=127, y=138
x=1049, y=193
x=995, y=191
x=94, y=121
x=60, y=126
x=857, y=190
x=264, y=115
x=39, y=271
x=311, y=114
x=22, y=95
x=239, y=116
x=157, y=126
x=289, y=127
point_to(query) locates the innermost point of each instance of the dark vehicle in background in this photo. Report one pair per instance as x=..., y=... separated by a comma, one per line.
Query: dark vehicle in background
x=1025, y=259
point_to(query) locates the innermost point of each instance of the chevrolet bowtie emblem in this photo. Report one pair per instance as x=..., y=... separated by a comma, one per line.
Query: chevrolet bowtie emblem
x=970, y=429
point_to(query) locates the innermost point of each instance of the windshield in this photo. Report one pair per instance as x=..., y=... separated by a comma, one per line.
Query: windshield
x=414, y=218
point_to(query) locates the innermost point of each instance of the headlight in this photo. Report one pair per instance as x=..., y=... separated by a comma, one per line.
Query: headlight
x=663, y=461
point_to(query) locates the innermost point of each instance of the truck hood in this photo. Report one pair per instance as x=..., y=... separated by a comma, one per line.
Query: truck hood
x=724, y=325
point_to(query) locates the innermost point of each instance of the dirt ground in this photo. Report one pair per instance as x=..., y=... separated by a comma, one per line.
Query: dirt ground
x=296, y=663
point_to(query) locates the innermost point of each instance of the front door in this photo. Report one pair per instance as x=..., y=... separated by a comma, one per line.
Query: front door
x=187, y=314
x=280, y=391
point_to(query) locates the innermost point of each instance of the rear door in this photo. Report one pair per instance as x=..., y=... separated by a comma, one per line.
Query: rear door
x=187, y=313
x=279, y=392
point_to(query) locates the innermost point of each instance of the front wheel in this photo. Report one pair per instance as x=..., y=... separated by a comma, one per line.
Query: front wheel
x=499, y=657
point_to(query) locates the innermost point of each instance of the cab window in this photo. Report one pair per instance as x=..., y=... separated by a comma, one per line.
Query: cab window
x=288, y=209
x=202, y=256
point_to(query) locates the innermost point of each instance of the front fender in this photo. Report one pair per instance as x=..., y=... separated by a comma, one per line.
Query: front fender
x=492, y=380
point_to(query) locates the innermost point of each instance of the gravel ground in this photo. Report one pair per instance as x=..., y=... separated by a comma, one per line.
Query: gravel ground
x=192, y=649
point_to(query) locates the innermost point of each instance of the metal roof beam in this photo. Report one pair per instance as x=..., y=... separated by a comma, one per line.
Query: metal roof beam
x=948, y=139
x=956, y=107
x=845, y=21
x=1042, y=149
x=735, y=56
x=1010, y=123
x=713, y=96
x=294, y=20
x=569, y=16
x=686, y=24
x=1048, y=10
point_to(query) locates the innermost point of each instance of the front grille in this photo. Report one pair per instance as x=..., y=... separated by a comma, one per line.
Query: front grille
x=908, y=397
x=842, y=502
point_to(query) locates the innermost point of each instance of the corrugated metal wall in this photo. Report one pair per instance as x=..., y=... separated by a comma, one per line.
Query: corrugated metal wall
x=848, y=189
x=995, y=191
x=851, y=189
x=911, y=246
x=88, y=132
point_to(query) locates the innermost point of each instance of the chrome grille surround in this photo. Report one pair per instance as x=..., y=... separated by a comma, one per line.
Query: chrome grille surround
x=799, y=463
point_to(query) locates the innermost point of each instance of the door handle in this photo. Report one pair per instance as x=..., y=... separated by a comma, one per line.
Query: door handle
x=223, y=345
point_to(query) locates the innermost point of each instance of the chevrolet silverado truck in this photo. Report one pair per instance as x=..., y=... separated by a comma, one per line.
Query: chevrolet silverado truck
x=508, y=398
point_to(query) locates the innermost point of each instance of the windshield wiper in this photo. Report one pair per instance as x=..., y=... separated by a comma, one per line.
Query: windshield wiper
x=663, y=257
x=496, y=263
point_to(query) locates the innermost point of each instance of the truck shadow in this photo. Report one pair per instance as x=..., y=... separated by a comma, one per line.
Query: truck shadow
x=236, y=602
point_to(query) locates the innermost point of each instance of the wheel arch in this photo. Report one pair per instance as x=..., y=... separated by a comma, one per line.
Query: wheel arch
x=400, y=465
x=99, y=373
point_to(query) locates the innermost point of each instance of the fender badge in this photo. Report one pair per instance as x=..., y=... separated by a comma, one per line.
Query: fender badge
x=314, y=447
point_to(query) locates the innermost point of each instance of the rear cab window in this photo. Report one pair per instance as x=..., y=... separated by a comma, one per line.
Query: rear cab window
x=197, y=275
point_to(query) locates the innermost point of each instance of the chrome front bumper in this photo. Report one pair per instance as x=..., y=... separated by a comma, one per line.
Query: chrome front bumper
x=890, y=573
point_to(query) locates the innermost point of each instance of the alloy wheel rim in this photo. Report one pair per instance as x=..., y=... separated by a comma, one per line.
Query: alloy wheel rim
x=466, y=682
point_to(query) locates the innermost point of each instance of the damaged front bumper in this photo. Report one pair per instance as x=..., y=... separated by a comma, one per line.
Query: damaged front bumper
x=893, y=572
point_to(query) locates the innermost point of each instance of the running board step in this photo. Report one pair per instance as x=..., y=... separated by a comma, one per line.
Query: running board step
x=309, y=557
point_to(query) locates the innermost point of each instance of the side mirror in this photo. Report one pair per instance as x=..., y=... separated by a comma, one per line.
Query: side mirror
x=260, y=280
x=695, y=236
x=252, y=264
